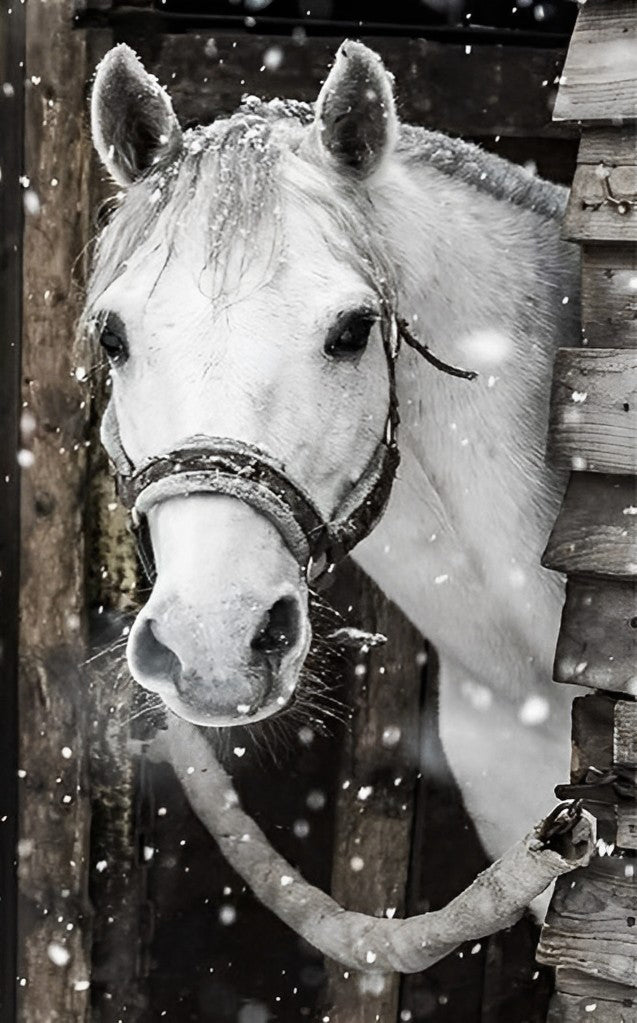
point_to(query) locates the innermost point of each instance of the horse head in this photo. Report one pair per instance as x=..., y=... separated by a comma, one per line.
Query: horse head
x=243, y=298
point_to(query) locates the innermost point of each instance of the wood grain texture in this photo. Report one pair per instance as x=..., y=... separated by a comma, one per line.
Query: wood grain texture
x=55, y=915
x=492, y=90
x=593, y=422
x=12, y=46
x=577, y=1008
x=589, y=934
x=588, y=926
x=575, y=982
x=599, y=84
x=625, y=754
x=375, y=805
x=592, y=751
x=611, y=146
x=597, y=645
x=592, y=734
x=625, y=741
x=591, y=216
x=609, y=295
x=596, y=530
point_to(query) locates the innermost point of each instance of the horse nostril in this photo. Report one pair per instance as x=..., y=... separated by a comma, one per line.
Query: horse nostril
x=279, y=629
x=156, y=661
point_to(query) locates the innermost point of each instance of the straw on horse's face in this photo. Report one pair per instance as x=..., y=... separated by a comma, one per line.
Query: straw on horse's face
x=218, y=324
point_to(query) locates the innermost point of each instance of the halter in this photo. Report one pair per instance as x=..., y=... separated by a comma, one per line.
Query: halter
x=222, y=465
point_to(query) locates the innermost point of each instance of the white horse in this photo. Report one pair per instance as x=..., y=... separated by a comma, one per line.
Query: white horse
x=247, y=288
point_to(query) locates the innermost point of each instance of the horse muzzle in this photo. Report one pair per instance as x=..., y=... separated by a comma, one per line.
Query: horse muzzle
x=224, y=635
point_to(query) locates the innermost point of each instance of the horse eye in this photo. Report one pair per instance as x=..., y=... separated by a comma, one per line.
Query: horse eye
x=112, y=338
x=349, y=336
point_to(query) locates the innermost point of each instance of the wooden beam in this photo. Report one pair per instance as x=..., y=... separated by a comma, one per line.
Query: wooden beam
x=581, y=997
x=597, y=645
x=592, y=758
x=625, y=759
x=610, y=146
x=590, y=932
x=12, y=44
x=609, y=295
x=598, y=84
x=376, y=796
x=55, y=915
x=480, y=91
x=602, y=204
x=593, y=421
x=590, y=924
x=596, y=531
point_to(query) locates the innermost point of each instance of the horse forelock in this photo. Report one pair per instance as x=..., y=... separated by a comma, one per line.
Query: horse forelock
x=224, y=192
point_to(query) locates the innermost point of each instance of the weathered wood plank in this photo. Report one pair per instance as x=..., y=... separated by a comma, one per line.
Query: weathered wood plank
x=625, y=742
x=592, y=734
x=592, y=754
x=609, y=295
x=597, y=645
x=12, y=45
x=118, y=886
x=600, y=204
x=593, y=423
x=55, y=915
x=596, y=530
x=375, y=807
x=625, y=754
x=589, y=925
x=568, y=1008
x=599, y=82
x=491, y=90
x=575, y=982
x=590, y=933
x=611, y=146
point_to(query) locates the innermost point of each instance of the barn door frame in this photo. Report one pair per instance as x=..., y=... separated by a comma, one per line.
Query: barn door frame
x=12, y=49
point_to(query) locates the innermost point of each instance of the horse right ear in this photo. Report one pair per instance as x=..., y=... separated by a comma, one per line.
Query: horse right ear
x=132, y=120
x=355, y=112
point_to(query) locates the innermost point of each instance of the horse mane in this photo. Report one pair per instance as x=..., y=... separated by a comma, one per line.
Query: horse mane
x=221, y=188
x=223, y=181
x=466, y=161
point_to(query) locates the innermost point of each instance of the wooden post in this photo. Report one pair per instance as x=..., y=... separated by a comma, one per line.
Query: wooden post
x=12, y=43
x=118, y=870
x=590, y=933
x=54, y=922
x=377, y=791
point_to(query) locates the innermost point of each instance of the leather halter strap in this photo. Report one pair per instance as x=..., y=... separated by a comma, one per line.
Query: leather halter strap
x=222, y=465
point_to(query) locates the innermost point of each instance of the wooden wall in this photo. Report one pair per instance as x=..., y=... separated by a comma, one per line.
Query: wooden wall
x=54, y=924
x=589, y=933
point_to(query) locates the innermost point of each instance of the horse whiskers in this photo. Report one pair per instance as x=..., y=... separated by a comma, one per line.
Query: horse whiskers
x=148, y=708
x=110, y=648
x=274, y=732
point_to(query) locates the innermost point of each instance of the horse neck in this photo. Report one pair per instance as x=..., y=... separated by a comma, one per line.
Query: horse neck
x=474, y=501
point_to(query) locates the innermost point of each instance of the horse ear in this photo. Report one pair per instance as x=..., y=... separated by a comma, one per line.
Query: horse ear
x=355, y=112
x=132, y=120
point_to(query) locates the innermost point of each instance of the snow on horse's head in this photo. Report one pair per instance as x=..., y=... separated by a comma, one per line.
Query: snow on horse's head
x=239, y=292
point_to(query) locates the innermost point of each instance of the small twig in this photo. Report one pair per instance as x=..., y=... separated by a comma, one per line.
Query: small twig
x=357, y=638
x=496, y=899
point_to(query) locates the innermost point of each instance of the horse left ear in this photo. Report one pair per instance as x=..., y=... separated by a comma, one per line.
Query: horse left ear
x=355, y=111
x=132, y=120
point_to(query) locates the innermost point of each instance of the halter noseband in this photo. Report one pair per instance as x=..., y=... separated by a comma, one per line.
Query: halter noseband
x=222, y=465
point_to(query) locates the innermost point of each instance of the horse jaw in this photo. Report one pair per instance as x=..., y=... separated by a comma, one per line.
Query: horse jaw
x=225, y=632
